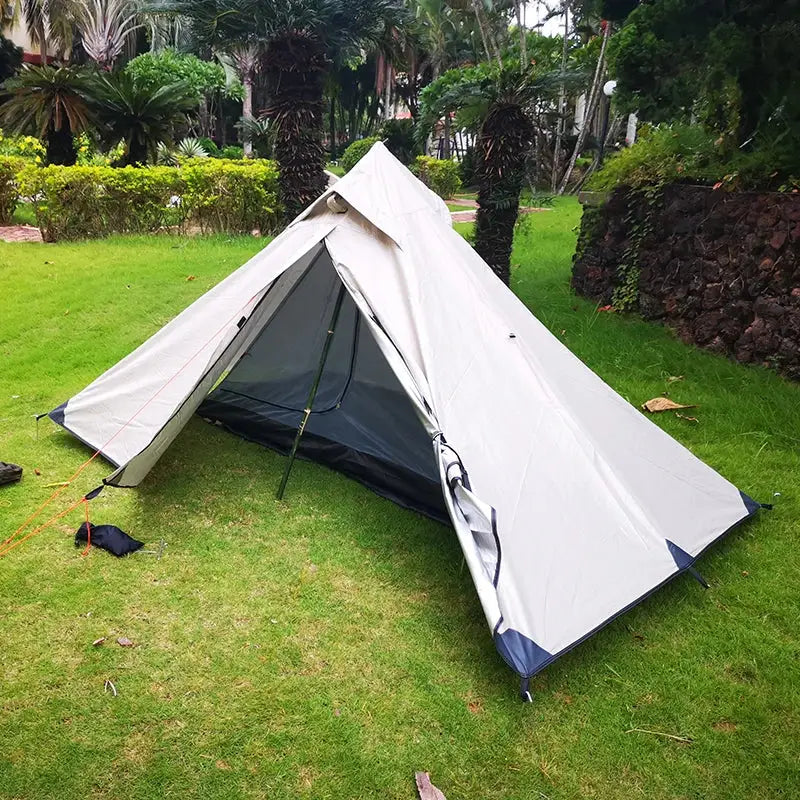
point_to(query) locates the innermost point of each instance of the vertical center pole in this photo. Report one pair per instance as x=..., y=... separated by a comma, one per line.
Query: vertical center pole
x=314, y=386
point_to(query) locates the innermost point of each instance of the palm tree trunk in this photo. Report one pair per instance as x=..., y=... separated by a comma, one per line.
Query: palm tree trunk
x=332, y=124
x=247, y=112
x=594, y=97
x=295, y=67
x=501, y=148
x=60, y=146
x=483, y=28
x=42, y=44
x=523, y=43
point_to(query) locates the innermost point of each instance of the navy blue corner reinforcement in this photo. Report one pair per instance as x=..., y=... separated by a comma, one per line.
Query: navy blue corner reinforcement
x=57, y=414
x=524, y=656
x=681, y=557
x=749, y=503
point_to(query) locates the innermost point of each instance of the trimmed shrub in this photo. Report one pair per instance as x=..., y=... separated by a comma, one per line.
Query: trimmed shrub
x=231, y=197
x=356, y=151
x=88, y=202
x=439, y=175
x=10, y=166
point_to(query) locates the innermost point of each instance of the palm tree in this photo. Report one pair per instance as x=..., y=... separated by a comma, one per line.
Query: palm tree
x=105, y=26
x=50, y=24
x=50, y=103
x=138, y=115
x=298, y=40
x=501, y=98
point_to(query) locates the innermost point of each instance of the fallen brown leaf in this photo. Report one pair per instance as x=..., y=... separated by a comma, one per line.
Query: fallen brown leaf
x=688, y=419
x=124, y=641
x=191, y=278
x=725, y=726
x=98, y=642
x=223, y=764
x=662, y=404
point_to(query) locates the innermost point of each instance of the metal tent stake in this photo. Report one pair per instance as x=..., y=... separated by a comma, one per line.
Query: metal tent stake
x=314, y=386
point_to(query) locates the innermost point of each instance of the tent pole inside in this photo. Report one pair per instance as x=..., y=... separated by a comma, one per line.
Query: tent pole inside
x=314, y=386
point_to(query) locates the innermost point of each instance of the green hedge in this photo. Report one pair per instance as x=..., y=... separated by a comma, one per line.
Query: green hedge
x=356, y=151
x=440, y=175
x=10, y=167
x=91, y=201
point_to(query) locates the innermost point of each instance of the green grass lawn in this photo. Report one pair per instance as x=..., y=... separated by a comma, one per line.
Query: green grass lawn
x=331, y=645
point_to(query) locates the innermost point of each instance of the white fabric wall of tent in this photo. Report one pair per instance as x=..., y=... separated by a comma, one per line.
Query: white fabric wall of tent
x=569, y=505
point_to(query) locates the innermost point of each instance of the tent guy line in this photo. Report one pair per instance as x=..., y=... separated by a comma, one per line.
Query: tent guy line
x=9, y=543
x=372, y=308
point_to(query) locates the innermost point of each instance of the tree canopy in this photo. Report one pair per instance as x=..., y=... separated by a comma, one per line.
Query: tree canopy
x=731, y=65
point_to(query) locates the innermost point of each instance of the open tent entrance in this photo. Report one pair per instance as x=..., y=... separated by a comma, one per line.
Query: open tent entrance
x=362, y=421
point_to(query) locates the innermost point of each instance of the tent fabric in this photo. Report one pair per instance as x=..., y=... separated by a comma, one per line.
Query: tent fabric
x=569, y=505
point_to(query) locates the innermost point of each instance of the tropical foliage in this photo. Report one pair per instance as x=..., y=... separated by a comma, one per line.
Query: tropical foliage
x=141, y=117
x=51, y=103
x=106, y=26
x=730, y=66
x=297, y=42
x=498, y=98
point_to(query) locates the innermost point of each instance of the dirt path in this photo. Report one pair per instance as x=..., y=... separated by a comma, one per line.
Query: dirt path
x=469, y=216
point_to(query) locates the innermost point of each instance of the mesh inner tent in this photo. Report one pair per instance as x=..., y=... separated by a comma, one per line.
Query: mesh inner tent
x=362, y=422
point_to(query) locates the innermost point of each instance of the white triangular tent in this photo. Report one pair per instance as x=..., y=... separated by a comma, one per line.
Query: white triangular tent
x=440, y=391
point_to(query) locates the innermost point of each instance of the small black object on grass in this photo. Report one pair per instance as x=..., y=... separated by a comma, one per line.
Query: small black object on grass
x=9, y=473
x=107, y=537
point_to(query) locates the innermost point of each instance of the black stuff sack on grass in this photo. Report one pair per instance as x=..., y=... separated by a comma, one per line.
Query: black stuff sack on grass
x=108, y=537
x=9, y=473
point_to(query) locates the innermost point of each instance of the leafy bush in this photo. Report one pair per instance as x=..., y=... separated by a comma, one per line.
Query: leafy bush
x=22, y=146
x=166, y=67
x=10, y=166
x=440, y=175
x=87, y=202
x=356, y=151
x=398, y=136
x=232, y=152
x=209, y=145
x=467, y=166
x=229, y=196
x=662, y=154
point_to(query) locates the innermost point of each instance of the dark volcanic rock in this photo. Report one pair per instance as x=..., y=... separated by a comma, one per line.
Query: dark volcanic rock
x=722, y=268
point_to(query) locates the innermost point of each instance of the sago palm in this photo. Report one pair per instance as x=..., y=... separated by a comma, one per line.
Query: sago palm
x=51, y=103
x=138, y=115
x=496, y=99
x=298, y=40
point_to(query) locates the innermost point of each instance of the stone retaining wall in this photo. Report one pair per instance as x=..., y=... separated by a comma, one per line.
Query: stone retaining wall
x=722, y=268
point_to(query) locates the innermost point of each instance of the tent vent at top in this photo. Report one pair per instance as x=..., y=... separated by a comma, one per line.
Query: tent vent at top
x=439, y=391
